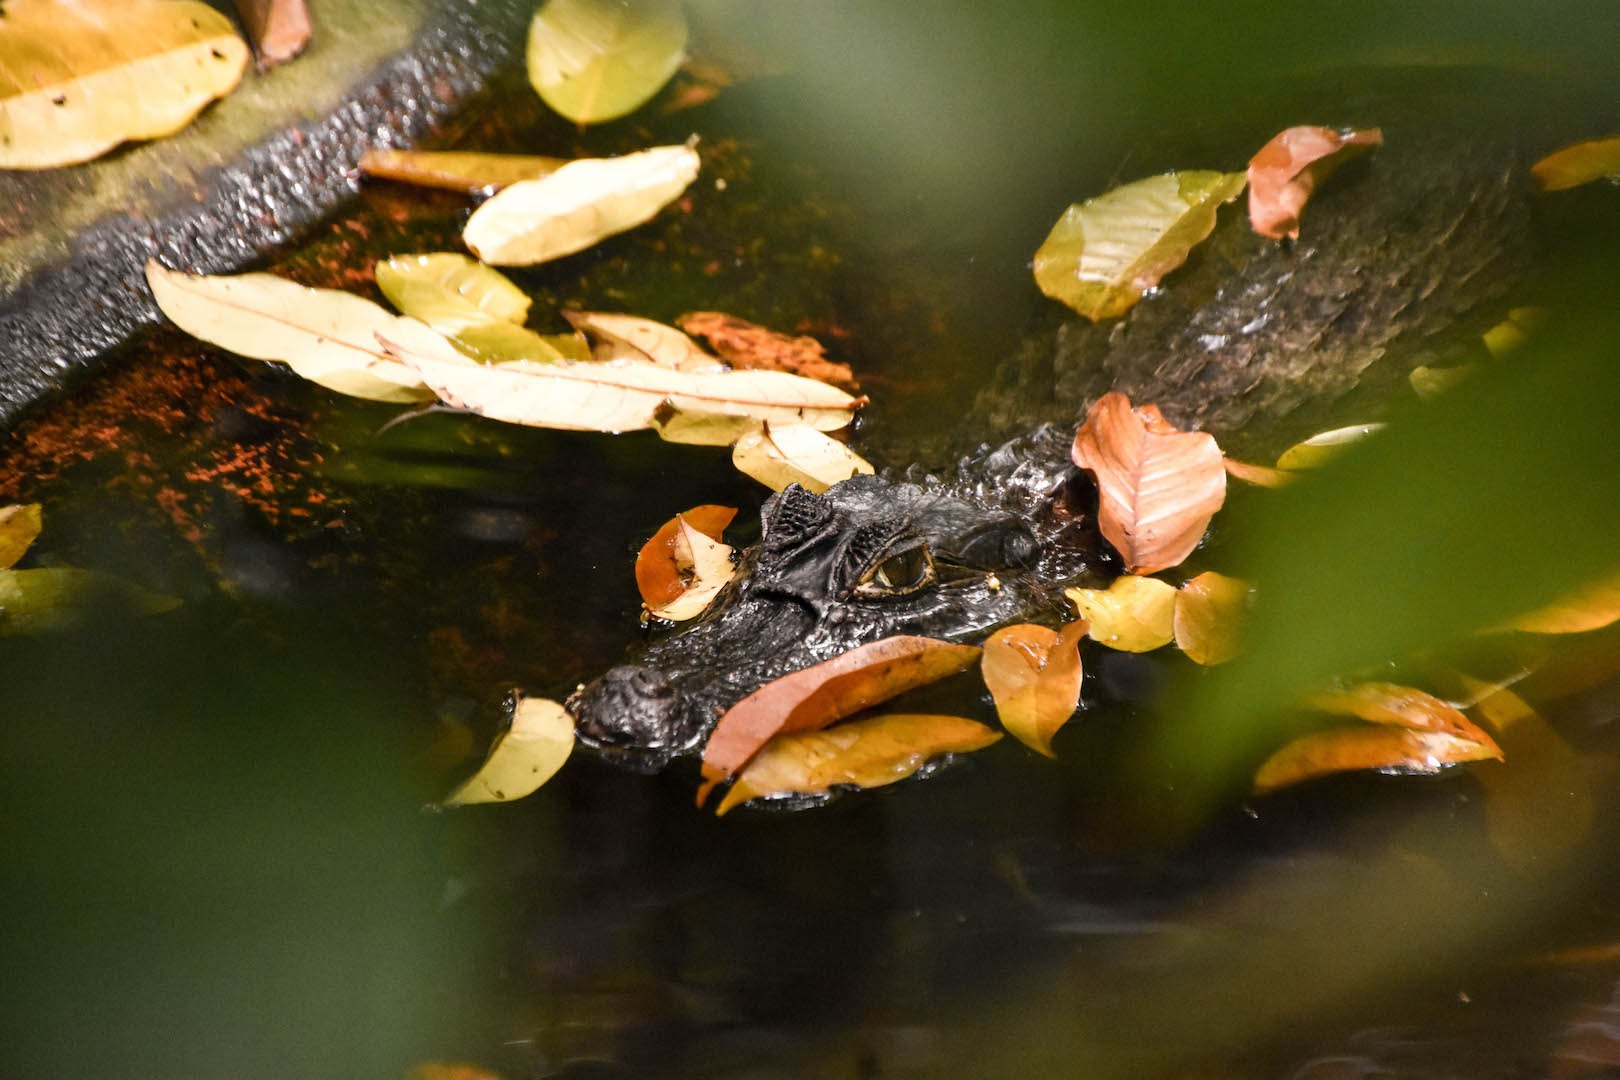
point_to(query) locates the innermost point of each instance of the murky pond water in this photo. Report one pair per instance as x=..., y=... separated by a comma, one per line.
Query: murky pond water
x=218, y=862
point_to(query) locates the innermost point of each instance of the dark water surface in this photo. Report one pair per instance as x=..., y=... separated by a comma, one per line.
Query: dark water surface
x=215, y=854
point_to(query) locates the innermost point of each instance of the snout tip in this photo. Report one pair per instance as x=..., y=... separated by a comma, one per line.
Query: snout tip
x=635, y=714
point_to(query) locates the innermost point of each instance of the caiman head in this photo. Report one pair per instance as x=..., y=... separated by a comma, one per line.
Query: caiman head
x=869, y=559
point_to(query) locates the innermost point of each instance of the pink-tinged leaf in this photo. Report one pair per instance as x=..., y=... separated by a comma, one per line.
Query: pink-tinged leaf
x=1033, y=673
x=1287, y=170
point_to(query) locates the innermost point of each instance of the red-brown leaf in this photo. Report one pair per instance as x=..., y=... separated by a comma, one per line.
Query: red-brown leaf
x=279, y=29
x=1288, y=168
x=1158, y=486
x=743, y=344
x=658, y=576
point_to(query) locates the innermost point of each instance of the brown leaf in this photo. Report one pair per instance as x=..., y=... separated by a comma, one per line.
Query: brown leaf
x=867, y=753
x=660, y=578
x=816, y=696
x=1288, y=168
x=279, y=29
x=465, y=171
x=1158, y=486
x=743, y=344
x=1579, y=164
x=20, y=525
x=1348, y=749
x=1210, y=612
x=1033, y=673
x=1590, y=607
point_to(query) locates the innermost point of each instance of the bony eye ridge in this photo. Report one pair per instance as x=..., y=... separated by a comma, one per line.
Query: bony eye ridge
x=898, y=573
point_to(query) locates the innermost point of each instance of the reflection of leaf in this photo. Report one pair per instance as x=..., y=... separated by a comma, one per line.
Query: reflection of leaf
x=528, y=754
x=579, y=204
x=867, y=753
x=1512, y=332
x=1134, y=614
x=463, y=170
x=1589, y=607
x=20, y=524
x=1579, y=164
x=1104, y=253
x=1429, y=382
x=326, y=336
x=1324, y=446
x=630, y=337
x=687, y=570
x=781, y=454
x=1033, y=673
x=1287, y=169
x=617, y=397
x=45, y=600
x=658, y=576
x=78, y=79
x=1349, y=749
x=440, y=1070
x=596, y=60
x=818, y=695
x=473, y=305
x=1158, y=486
x=743, y=344
x=1210, y=611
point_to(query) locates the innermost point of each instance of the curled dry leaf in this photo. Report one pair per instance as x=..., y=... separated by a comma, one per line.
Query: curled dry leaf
x=1134, y=614
x=324, y=335
x=866, y=753
x=685, y=565
x=581, y=203
x=77, y=79
x=816, y=696
x=20, y=525
x=1158, y=486
x=597, y=60
x=1259, y=475
x=1287, y=169
x=1033, y=674
x=1104, y=253
x=279, y=29
x=1324, y=446
x=781, y=454
x=529, y=753
x=630, y=337
x=473, y=305
x=1590, y=607
x=1595, y=159
x=464, y=171
x=747, y=345
x=1210, y=612
x=1351, y=749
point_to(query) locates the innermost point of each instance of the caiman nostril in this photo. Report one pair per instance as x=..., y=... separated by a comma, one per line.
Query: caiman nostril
x=650, y=684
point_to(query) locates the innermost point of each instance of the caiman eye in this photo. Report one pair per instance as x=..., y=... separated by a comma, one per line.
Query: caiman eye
x=898, y=573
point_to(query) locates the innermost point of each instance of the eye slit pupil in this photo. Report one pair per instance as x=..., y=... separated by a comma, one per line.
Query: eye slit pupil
x=903, y=571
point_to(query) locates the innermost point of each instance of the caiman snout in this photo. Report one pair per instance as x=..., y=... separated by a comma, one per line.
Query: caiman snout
x=634, y=713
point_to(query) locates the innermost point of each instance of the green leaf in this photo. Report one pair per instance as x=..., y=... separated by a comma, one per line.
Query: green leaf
x=473, y=305
x=596, y=60
x=20, y=524
x=46, y=600
x=465, y=171
x=1104, y=253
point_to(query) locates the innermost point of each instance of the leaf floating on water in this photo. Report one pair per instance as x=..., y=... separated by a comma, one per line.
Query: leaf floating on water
x=473, y=305
x=581, y=203
x=781, y=454
x=701, y=428
x=698, y=567
x=1104, y=253
x=440, y=1070
x=1259, y=475
x=59, y=598
x=866, y=753
x=1595, y=159
x=279, y=29
x=1323, y=447
x=1209, y=616
x=1287, y=170
x=598, y=60
x=464, y=171
x=1351, y=749
x=1401, y=706
x=1429, y=383
x=1134, y=614
x=630, y=337
x=658, y=573
x=816, y=696
x=324, y=335
x=20, y=525
x=1590, y=607
x=1158, y=486
x=529, y=753
x=1033, y=674
x=77, y=79
x=743, y=344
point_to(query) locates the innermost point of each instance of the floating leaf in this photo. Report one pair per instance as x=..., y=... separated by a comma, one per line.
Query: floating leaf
x=1158, y=486
x=597, y=60
x=781, y=454
x=1350, y=749
x=816, y=696
x=685, y=565
x=1401, y=706
x=58, y=598
x=630, y=337
x=279, y=29
x=1033, y=673
x=1287, y=169
x=1103, y=254
x=1512, y=332
x=701, y=428
x=473, y=305
x=1259, y=475
x=78, y=79
x=1582, y=163
x=1209, y=616
x=1134, y=614
x=616, y=397
x=463, y=171
x=743, y=344
x=1430, y=382
x=1589, y=607
x=866, y=753
x=327, y=336
x=442, y=1070
x=529, y=753
x=1323, y=447
x=20, y=524
x=579, y=204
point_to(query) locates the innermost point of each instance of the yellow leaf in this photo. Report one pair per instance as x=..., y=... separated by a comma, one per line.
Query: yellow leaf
x=1259, y=475
x=1400, y=706
x=630, y=337
x=529, y=753
x=704, y=566
x=1579, y=164
x=473, y=305
x=58, y=598
x=866, y=753
x=20, y=524
x=597, y=60
x=1430, y=382
x=1589, y=607
x=1134, y=614
x=701, y=428
x=1324, y=446
x=77, y=79
x=1348, y=749
x=582, y=202
x=1209, y=616
x=781, y=454
x=1104, y=253
x=464, y=171
x=1033, y=674
x=1513, y=331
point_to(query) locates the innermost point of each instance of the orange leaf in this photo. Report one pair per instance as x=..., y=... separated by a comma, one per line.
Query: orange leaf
x=659, y=577
x=1402, y=706
x=1033, y=674
x=743, y=344
x=1288, y=168
x=1210, y=612
x=1579, y=164
x=1347, y=749
x=1590, y=607
x=822, y=693
x=1158, y=486
x=867, y=753
x=1260, y=475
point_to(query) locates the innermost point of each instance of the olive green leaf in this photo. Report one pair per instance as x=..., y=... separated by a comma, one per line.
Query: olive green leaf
x=596, y=60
